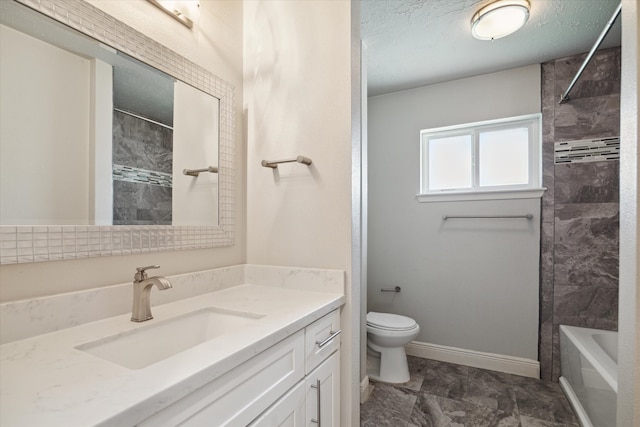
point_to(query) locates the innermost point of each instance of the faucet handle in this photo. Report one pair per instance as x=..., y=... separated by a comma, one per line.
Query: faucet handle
x=141, y=272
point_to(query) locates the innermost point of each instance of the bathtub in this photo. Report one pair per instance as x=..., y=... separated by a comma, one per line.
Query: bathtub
x=589, y=373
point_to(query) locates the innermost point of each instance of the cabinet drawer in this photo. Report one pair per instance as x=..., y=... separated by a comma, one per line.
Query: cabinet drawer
x=240, y=395
x=318, y=342
x=288, y=411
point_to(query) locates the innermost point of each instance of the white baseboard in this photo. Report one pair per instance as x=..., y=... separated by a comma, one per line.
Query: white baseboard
x=494, y=362
x=365, y=389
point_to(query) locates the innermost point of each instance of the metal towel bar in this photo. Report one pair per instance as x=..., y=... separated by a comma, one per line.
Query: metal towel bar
x=396, y=289
x=196, y=172
x=273, y=164
x=527, y=216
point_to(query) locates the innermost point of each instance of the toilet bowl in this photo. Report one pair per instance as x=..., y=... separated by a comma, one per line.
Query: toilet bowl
x=387, y=334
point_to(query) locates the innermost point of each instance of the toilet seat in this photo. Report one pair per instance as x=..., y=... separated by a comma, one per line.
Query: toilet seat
x=390, y=322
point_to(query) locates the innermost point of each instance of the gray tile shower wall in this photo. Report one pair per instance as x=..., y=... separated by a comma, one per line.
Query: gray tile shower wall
x=580, y=220
x=141, y=204
x=141, y=145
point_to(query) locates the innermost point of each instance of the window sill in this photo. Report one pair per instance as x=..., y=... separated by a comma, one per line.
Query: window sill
x=460, y=196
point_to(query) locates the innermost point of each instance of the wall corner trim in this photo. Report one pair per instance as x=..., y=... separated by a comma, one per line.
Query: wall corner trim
x=494, y=362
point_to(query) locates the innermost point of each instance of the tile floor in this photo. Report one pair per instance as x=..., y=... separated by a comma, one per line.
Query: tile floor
x=442, y=394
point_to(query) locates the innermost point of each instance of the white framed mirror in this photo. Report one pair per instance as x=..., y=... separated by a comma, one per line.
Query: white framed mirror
x=200, y=208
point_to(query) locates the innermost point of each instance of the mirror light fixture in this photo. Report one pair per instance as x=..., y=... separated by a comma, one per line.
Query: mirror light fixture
x=180, y=10
x=499, y=19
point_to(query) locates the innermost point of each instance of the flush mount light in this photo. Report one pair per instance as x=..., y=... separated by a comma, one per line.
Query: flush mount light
x=499, y=19
x=179, y=10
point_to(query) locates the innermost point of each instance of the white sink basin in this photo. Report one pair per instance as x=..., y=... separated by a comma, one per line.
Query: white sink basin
x=147, y=345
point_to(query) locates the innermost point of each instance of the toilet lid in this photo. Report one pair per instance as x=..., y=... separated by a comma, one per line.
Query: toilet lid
x=390, y=321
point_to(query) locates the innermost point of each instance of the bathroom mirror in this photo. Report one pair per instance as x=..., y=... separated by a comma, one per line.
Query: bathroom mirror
x=116, y=157
x=137, y=177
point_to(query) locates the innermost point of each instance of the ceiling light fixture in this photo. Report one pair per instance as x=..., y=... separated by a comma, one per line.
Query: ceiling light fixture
x=499, y=19
x=180, y=10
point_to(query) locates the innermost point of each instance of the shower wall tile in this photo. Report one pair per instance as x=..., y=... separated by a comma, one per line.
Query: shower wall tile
x=545, y=353
x=588, y=118
x=548, y=181
x=586, y=306
x=545, y=350
x=142, y=144
x=555, y=349
x=595, y=182
x=548, y=77
x=580, y=211
x=601, y=77
x=595, y=224
x=548, y=134
x=141, y=204
x=547, y=248
x=582, y=265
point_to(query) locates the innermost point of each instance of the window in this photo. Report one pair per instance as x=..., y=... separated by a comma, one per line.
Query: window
x=484, y=158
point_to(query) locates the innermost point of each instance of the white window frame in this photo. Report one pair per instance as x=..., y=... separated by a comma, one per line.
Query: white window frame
x=533, y=188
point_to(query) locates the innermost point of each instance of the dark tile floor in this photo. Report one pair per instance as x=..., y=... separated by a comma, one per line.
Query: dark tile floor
x=442, y=394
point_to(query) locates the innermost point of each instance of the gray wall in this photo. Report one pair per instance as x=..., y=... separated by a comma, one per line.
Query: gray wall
x=469, y=284
x=579, y=268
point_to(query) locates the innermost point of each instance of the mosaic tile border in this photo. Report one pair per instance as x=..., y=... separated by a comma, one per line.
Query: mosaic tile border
x=141, y=176
x=23, y=244
x=587, y=150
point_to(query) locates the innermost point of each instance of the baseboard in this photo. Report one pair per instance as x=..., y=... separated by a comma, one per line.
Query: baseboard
x=365, y=389
x=494, y=362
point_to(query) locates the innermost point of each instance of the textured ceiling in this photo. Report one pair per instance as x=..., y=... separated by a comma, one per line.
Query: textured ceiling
x=413, y=43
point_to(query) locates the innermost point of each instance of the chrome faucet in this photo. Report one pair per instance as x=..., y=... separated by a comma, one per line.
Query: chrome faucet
x=142, y=292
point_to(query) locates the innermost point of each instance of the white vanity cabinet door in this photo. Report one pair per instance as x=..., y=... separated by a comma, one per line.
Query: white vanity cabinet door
x=289, y=411
x=327, y=376
x=240, y=395
x=318, y=342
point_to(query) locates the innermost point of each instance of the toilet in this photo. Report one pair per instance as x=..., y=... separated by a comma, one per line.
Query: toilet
x=387, y=334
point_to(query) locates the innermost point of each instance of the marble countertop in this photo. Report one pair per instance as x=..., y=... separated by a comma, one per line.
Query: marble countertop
x=45, y=381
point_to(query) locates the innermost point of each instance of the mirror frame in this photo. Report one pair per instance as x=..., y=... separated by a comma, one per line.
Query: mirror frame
x=24, y=244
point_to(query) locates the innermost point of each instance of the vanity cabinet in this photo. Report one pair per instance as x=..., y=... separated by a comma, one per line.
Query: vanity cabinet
x=240, y=395
x=276, y=387
x=315, y=401
x=287, y=411
x=299, y=407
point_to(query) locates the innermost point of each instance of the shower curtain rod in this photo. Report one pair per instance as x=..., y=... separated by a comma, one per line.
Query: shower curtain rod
x=565, y=96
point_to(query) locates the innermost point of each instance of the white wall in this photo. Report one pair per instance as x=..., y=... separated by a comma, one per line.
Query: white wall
x=195, y=130
x=470, y=284
x=45, y=96
x=629, y=298
x=215, y=43
x=298, y=102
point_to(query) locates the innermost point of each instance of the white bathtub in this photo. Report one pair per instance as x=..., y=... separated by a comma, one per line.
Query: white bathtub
x=589, y=368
